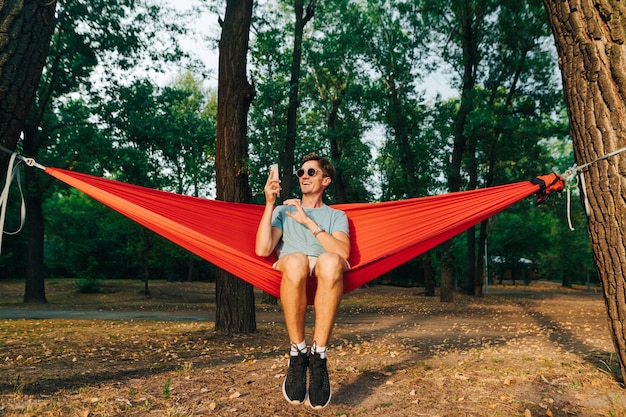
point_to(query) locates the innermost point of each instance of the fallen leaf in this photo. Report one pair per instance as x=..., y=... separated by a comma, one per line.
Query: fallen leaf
x=82, y=412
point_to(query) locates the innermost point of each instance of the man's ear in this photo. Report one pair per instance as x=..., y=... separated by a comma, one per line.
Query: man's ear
x=326, y=181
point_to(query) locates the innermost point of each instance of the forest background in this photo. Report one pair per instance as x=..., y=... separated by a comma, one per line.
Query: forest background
x=105, y=107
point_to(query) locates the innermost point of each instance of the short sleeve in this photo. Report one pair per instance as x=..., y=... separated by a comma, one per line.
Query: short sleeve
x=277, y=217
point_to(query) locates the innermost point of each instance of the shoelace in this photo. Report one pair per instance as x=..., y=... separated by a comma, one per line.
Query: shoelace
x=319, y=372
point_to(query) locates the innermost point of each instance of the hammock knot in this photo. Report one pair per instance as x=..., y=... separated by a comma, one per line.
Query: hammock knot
x=547, y=184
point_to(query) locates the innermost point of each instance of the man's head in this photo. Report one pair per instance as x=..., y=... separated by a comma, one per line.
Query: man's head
x=315, y=170
x=324, y=164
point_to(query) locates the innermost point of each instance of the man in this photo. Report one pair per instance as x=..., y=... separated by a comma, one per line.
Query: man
x=312, y=242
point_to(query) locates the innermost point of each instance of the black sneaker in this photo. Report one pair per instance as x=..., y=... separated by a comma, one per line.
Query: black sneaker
x=294, y=385
x=319, y=384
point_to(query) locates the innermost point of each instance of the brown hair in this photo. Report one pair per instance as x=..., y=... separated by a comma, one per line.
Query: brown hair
x=325, y=165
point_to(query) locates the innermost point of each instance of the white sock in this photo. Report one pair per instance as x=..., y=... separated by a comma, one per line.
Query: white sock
x=298, y=348
x=319, y=349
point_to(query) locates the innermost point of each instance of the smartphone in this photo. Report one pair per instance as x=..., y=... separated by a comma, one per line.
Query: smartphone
x=274, y=175
x=274, y=169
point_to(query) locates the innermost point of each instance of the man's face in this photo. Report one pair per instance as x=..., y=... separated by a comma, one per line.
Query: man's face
x=312, y=180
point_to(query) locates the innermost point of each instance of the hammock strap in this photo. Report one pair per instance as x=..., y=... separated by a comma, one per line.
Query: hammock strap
x=12, y=173
x=15, y=161
x=576, y=173
x=545, y=187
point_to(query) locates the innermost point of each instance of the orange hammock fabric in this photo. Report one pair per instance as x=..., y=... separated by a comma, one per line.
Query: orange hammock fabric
x=383, y=235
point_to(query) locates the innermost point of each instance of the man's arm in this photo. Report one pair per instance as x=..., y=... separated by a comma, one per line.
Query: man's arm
x=336, y=242
x=267, y=237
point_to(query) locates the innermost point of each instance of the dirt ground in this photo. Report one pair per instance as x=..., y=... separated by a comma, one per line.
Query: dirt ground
x=538, y=350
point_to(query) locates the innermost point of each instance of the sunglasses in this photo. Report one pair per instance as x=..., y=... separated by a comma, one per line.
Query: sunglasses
x=311, y=172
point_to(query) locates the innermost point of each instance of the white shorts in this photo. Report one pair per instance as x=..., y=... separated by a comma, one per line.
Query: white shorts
x=312, y=262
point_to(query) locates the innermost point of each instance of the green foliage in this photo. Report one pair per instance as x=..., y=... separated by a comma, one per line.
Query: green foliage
x=334, y=99
x=165, y=136
x=166, y=389
x=88, y=285
x=362, y=103
x=71, y=126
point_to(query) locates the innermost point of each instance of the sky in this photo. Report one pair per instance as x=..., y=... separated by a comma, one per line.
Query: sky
x=202, y=24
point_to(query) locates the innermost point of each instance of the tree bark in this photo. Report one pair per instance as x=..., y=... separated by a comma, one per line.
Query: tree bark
x=429, y=274
x=341, y=196
x=590, y=39
x=469, y=45
x=398, y=121
x=288, y=155
x=234, y=297
x=26, y=30
x=34, y=288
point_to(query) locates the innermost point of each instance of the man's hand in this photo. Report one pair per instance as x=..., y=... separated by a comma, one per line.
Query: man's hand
x=300, y=215
x=272, y=188
x=267, y=237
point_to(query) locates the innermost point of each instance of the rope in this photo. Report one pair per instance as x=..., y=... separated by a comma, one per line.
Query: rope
x=13, y=173
x=28, y=161
x=4, y=198
x=576, y=172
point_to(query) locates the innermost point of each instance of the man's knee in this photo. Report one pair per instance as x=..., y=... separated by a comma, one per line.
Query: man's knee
x=294, y=266
x=330, y=266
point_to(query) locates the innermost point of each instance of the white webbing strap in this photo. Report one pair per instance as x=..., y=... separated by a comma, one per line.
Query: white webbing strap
x=12, y=172
x=576, y=172
x=572, y=177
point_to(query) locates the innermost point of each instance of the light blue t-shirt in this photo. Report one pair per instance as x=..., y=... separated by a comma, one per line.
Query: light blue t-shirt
x=298, y=238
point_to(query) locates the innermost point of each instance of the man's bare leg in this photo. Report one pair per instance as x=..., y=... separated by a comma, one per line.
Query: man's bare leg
x=329, y=272
x=295, y=272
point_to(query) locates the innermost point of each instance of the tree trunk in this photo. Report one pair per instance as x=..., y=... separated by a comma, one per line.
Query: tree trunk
x=592, y=56
x=429, y=274
x=446, y=294
x=398, y=122
x=191, y=269
x=341, y=196
x=288, y=155
x=481, y=278
x=469, y=45
x=234, y=297
x=470, y=255
x=27, y=28
x=35, y=288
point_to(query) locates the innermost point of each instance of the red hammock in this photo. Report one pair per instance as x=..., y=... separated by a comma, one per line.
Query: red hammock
x=383, y=235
